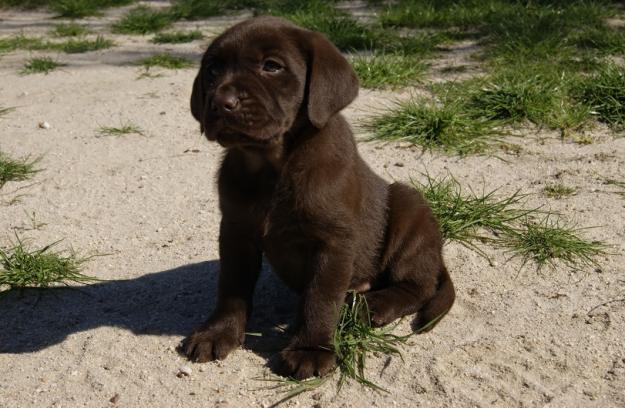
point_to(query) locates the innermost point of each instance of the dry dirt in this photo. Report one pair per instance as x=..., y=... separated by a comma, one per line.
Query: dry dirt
x=513, y=338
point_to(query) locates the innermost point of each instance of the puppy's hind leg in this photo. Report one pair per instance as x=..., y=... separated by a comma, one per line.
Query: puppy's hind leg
x=415, y=279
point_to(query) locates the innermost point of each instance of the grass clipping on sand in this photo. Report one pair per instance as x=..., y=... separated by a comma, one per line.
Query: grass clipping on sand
x=21, y=267
x=354, y=338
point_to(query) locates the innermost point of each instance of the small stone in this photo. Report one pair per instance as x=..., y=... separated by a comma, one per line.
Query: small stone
x=114, y=398
x=184, y=371
x=399, y=164
x=44, y=125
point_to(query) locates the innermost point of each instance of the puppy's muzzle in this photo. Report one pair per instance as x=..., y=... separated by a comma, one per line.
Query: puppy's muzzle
x=226, y=103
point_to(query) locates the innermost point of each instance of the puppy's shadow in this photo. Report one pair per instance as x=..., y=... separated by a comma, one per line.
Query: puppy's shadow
x=170, y=302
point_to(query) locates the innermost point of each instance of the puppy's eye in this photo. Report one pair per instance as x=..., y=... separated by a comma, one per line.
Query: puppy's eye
x=212, y=70
x=272, y=66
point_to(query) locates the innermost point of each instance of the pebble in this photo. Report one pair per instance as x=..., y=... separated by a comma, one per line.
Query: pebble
x=44, y=125
x=184, y=371
x=114, y=398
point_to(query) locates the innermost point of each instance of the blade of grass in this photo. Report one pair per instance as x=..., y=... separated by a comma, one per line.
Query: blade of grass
x=5, y=111
x=125, y=129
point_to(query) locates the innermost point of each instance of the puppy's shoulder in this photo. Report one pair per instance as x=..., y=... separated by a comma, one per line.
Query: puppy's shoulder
x=335, y=140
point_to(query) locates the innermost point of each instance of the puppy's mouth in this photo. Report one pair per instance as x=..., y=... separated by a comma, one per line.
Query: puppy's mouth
x=230, y=132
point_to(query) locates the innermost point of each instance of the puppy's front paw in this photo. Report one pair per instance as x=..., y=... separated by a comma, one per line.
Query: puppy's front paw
x=212, y=341
x=302, y=364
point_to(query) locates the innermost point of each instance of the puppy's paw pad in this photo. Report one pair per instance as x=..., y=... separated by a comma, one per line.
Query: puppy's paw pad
x=210, y=343
x=302, y=364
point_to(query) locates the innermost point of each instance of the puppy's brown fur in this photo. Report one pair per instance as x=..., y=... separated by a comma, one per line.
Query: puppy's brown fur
x=293, y=186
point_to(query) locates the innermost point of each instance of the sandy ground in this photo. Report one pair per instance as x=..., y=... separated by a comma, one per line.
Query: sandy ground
x=149, y=202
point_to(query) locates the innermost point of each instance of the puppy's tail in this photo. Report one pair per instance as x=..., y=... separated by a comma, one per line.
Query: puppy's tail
x=433, y=311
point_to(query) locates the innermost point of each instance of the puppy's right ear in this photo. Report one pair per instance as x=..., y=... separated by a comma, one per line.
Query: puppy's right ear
x=198, y=98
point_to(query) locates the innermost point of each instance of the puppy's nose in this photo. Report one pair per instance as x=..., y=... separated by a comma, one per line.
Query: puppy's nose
x=227, y=102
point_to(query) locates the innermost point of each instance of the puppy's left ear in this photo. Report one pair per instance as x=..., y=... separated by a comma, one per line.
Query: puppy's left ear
x=198, y=96
x=332, y=82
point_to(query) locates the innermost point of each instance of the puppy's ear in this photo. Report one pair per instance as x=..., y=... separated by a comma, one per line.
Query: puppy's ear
x=332, y=82
x=198, y=96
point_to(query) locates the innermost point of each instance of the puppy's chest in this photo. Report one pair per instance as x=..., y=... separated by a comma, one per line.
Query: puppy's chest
x=282, y=217
x=287, y=242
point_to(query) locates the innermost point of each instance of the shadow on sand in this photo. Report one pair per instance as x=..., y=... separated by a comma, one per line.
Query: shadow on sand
x=171, y=302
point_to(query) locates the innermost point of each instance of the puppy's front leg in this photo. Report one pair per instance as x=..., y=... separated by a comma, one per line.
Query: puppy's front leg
x=310, y=351
x=240, y=259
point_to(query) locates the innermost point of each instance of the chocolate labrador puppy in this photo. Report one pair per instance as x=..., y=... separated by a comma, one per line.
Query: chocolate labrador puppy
x=293, y=186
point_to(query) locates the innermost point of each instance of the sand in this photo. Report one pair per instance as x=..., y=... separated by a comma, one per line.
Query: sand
x=148, y=204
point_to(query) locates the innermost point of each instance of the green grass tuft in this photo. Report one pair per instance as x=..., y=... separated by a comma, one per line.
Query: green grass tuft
x=343, y=30
x=465, y=217
x=16, y=169
x=40, y=65
x=434, y=126
x=550, y=241
x=166, y=61
x=22, y=42
x=67, y=8
x=513, y=98
x=388, y=70
x=126, y=129
x=83, y=8
x=177, y=37
x=70, y=46
x=23, y=4
x=70, y=30
x=349, y=34
x=558, y=191
x=21, y=267
x=431, y=14
x=604, y=93
x=143, y=20
x=83, y=45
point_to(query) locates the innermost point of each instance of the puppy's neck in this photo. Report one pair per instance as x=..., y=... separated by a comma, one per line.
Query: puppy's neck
x=272, y=155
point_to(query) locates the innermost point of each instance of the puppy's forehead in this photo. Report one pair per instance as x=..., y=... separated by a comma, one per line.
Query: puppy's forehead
x=257, y=37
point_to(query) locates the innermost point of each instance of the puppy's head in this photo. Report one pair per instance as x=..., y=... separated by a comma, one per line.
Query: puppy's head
x=261, y=77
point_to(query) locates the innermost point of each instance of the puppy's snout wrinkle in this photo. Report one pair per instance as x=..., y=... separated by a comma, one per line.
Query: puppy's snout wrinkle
x=226, y=102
